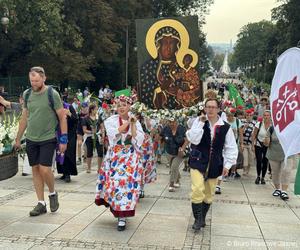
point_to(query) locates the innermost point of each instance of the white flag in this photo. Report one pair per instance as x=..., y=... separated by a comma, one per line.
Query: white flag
x=285, y=101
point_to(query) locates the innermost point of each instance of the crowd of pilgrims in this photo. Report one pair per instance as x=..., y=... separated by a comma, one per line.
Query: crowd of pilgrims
x=129, y=146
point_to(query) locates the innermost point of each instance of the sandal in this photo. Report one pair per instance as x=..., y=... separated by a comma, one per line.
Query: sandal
x=284, y=196
x=277, y=193
x=121, y=224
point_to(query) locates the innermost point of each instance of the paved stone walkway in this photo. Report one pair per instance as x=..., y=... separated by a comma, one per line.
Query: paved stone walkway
x=245, y=216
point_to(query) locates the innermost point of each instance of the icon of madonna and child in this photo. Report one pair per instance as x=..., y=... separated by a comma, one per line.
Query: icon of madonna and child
x=169, y=79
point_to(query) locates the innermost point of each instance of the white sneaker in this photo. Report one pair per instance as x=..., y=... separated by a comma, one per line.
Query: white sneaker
x=218, y=190
x=177, y=185
x=171, y=189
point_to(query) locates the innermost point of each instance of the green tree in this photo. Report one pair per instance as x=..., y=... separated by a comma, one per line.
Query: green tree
x=205, y=54
x=254, y=48
x=288, y=24
x=259, y=44
x=39, y=35
x=83, y=41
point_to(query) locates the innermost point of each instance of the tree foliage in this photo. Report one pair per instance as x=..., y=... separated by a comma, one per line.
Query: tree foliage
x=255, y=42
x=259, y=44
x=288, y=23
x=82, y=40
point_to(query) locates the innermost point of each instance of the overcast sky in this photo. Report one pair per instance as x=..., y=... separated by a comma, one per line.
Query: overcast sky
x=226, y=17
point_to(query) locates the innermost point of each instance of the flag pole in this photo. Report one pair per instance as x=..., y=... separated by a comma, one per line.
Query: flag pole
x=297, y=181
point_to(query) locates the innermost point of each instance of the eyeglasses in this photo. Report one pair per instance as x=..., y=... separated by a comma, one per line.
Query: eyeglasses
x=38, y=70
x=211, y=107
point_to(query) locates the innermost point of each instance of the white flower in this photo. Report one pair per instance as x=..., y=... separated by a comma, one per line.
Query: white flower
x=8, y=132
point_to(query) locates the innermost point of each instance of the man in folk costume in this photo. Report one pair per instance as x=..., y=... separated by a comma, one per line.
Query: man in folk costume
x=213, y=146
x=119, y=178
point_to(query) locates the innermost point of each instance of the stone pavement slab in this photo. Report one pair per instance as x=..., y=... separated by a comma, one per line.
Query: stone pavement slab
x=244, y=216
x=28, y=229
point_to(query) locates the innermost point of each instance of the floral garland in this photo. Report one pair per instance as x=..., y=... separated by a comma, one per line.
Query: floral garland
x=167, y=113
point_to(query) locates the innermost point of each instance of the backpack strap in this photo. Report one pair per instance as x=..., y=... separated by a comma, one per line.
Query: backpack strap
x=259, y=127
x=271, y=130
x=237, y=128
x=26, y=97
x=51, y=98
x=51, y=101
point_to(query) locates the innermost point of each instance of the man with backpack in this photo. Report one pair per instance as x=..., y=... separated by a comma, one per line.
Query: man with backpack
x=42, y=113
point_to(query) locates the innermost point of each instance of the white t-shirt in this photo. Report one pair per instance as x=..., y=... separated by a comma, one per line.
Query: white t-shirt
x=262, y=133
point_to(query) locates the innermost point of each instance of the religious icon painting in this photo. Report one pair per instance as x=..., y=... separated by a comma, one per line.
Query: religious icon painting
x=168, y=62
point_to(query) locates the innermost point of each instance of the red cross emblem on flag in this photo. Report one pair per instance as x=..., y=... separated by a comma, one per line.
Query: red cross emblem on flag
x=288, y=102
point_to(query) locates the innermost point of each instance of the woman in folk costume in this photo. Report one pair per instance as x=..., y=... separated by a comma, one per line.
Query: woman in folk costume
x=148, y=155
x=119, y=178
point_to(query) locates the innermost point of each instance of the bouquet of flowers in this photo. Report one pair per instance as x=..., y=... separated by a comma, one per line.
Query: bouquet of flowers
x=8, y=134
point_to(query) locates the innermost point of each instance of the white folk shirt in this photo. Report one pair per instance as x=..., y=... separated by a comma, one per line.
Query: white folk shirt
x=112, y=125
x=230, y=150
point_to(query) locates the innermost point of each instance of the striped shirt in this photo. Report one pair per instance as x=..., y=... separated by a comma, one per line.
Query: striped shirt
x=248, y=129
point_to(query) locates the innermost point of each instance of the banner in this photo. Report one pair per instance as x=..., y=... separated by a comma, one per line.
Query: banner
x=168, y=62
x=285, y=104
x=234, y=95
x=285, y=101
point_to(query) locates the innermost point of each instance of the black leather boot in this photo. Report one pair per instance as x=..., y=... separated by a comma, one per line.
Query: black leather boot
x=205, y=208
x=194, y=209
x=197, y=211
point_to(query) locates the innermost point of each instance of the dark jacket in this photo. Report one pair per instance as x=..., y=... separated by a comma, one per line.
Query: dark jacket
x=173, y=142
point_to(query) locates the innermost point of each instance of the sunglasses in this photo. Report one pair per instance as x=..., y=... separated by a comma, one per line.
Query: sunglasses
x=38, y=70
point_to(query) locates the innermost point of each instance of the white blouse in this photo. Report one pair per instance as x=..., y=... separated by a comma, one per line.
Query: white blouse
x=262, y=133
x=112, y=125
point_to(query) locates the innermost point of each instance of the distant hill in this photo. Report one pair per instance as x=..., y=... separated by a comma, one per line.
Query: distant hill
x=221, y=48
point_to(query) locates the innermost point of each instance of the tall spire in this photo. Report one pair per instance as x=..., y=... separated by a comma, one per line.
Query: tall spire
x=225, y=67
